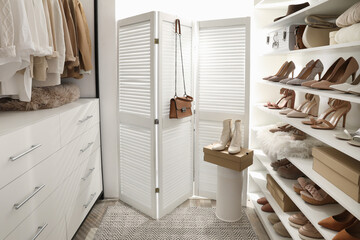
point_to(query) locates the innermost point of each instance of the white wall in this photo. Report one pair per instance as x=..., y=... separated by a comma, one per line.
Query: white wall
x=188, y=9
x=108, y=93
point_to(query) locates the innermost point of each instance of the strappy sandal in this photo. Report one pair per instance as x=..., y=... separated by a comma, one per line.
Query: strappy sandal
x=302, y=182
x=332, y=123
x=283, y=91
x=288, y=101
x=333, y=103
x=298, y=135
x=308, y=98
x=316, y=196
x=311, y=108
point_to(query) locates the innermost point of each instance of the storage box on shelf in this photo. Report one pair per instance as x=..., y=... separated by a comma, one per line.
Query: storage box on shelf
x=39, y=183
x=280, y=196
x=339, y=169
x=326, y=136
x=312, y=212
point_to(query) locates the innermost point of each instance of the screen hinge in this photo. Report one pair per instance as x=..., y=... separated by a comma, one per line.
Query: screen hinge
x=156, y=121
x=156, y=41
x=157, y=190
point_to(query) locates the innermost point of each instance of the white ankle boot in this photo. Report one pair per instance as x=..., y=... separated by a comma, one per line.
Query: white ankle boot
x=235, y=145
x=225, y=136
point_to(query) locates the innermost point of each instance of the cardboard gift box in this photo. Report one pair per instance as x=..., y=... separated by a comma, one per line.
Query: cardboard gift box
x=285, y=203
x=237, y=162
x=339, y=169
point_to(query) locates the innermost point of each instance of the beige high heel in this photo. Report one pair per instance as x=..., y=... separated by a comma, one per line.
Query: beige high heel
x=315, y=69
x=333, y=103
x=300, y=107
x=340, y=112
x=283, y=91
x=290, y=68
x=280, y=72
x=311, y=108
x=288, y=101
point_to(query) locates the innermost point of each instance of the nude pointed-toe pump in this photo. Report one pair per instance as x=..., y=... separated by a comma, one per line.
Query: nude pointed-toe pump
x=279, y=73
x=300, y=75
x=315, y=69
x=290, y=67
x=225, y=136
x=347, y=69
x=332, y=70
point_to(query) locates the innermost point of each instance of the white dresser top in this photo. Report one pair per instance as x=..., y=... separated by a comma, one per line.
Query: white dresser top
x=11, y=121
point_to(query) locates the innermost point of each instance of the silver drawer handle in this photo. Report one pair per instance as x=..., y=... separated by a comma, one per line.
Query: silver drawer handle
x=90, y=200
x=39, y=231
x=36, y=190
x=88, y=175
x=87, y=147
x=33, y=147
x=85, y=119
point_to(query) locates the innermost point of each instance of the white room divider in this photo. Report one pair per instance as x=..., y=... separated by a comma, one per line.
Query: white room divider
x=222, y=89
x=156, y=153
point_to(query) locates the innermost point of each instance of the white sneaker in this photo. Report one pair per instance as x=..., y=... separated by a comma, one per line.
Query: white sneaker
x=235, y=145
x=225, y=136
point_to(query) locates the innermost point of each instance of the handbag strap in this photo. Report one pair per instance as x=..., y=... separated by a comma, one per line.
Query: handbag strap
x=178, y=34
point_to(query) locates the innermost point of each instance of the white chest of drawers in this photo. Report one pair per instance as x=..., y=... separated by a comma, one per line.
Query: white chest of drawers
x=50, y=170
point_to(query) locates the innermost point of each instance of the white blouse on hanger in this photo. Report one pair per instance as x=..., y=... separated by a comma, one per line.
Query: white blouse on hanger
x=7, y=45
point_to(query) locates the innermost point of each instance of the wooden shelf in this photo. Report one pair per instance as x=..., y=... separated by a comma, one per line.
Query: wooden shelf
x=328, y=7
x=312, y=212
x=322, y=93
x=305, y=165
x=355, y=46
x=326, y=136
x=263, y=216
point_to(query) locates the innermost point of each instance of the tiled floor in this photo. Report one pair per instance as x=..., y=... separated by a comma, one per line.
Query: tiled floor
x=92, y=222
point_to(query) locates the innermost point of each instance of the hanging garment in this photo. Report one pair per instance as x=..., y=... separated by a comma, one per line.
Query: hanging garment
x=7, y=44
x=69, y=54
x=42, y=30
x=16, y=83
x=84, y=40
x=57, y=60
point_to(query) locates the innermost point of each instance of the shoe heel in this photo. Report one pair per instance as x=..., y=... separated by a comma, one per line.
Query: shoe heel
x=344, y=120
x=319, y=73
x=353, y=76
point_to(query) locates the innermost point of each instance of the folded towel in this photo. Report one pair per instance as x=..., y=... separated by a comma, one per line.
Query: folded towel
x=348, y=34
x=350, y=16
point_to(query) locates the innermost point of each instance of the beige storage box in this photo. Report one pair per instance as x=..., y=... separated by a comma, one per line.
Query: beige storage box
x=237, y=162
x=339, y=169
x=285, y=203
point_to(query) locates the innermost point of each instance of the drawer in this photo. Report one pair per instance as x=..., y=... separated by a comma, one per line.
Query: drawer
x=22, y=196
x=59, y=233
x=23, y=149
x=78, y=120
x=89, y=170
x=83, y=203
x=44, y=219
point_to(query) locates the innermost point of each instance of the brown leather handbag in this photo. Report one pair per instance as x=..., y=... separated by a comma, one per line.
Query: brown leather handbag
x=180, y=107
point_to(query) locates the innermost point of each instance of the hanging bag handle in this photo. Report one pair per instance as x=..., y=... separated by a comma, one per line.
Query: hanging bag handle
x=178, y=34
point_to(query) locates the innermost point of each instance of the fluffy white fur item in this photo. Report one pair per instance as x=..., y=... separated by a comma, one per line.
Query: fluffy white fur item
x=279, y=145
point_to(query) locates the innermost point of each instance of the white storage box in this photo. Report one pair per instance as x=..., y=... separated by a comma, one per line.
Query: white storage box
x=282, y=39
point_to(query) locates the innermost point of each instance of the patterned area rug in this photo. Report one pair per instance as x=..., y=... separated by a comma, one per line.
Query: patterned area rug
x=124, y=222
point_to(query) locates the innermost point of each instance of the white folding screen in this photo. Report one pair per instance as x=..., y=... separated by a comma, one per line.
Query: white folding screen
x=222, y=89
x=156, y=153
x=175, y=135
x=136, y=104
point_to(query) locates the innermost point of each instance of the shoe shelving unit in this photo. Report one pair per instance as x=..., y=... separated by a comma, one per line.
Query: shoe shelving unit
x=325, y=93
x=265, y=63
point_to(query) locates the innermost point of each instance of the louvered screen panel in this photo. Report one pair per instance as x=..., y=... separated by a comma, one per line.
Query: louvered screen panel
x=134, y=69
x=135, y=164
x=168, y=64
x=223, y=89
x=177, y=165
x=222, y=69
